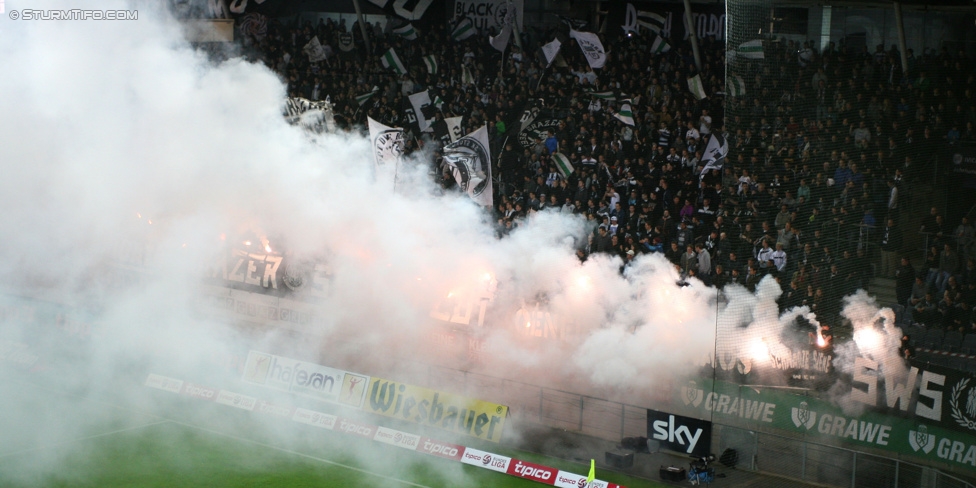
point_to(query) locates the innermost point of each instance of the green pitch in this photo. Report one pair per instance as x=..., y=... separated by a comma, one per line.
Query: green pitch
x=144, y=450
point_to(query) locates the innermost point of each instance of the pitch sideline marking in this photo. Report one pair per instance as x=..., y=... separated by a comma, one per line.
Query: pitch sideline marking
x=296, y=453
x=72, y=441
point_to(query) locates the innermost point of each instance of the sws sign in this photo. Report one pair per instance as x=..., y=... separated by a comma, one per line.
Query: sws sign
x=678, y=433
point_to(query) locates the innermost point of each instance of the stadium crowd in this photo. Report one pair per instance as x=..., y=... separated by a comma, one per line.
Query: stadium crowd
x=826, y=150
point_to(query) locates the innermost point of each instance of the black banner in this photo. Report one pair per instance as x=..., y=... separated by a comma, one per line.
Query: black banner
x=708, y=20
x=678, y=433
x=964, y=159
x=270, y=273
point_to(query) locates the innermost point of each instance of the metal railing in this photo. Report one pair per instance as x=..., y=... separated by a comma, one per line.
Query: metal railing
x=826, y=465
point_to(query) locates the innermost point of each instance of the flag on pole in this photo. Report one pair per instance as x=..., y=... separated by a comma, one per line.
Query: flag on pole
x=418, y=101
x=735, y=86
x=438, y=102
x=454, y=127
x=563, y=165
x=625, y=115
x=463, y=30
x=660, y=46
x=551, y=49
x=392, y=61
x=431, y=62
x=314, y=50
x=592, y=476
x=407, y=32
x=500, y=42
x=387, y=146
x=592, y=48
x=695, y=85
x=751, y=50
x=470, y=163
x=361, y=99
x=715, y=152
x=466, y=77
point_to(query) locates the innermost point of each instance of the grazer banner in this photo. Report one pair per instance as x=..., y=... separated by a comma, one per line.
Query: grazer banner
x=680, y=434
x=453, y=413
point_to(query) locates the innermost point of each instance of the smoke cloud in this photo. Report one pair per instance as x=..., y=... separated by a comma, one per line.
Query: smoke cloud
x=132, y=163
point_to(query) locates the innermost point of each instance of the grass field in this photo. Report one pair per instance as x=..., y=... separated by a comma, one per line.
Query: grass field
x=145, y=449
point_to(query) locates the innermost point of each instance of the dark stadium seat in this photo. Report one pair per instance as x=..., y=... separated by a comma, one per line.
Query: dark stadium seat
x=952, y=341
x=932, y=339
x=925, y=357
x=969, y=344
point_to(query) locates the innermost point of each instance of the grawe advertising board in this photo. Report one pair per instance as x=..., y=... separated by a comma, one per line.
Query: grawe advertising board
x=304, y=378
x=936, y=435
x=454, y=413
x=678, y=433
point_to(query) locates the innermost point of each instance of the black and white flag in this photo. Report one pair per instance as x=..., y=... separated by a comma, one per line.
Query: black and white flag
x=470, y=162
x=315, y=50
x=592, y=48
x=419, y=101
x=314, y=116
x=387, y=146
x=715, y=153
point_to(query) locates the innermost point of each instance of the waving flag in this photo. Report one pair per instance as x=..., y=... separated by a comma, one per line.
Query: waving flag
x=625, y=115
x=563, y=165
x=715, y=153
x=751, y=50
x=407, y=32
x=431, y=62
x=392, y=61
x=551, y=49
x=463, y=30
x=660, y=46
x=695, y=85
x=469, y=160
x=592, y=48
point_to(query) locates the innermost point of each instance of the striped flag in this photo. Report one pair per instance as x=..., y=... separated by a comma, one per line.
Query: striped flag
x=751, y=50
x=695, y=85
x=563, y=166
x=654, y=23
x=735, y=86
x=407, y=32
x=431, y=62
x=392, y=61
x=606, y=95
x=438, y=102
x=466, y=77
x=660, y=46
x=361, y=99
x=625, y=115
x=464, y=30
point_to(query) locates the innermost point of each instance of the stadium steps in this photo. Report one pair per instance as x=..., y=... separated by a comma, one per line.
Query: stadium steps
x=883, y=289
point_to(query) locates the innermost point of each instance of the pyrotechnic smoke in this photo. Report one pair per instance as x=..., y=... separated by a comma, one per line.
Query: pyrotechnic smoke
x=129, y=159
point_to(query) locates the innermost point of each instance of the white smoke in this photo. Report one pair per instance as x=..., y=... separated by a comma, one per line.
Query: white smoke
x=107, y=126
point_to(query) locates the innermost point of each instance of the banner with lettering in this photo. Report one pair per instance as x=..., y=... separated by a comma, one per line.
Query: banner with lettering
x=454, y=413
x=306, y=379
x=666, y=19
x=930, y=436
x=486, y=14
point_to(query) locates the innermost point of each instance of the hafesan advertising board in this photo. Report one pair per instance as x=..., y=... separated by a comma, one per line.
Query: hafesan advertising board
x=304, y=378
